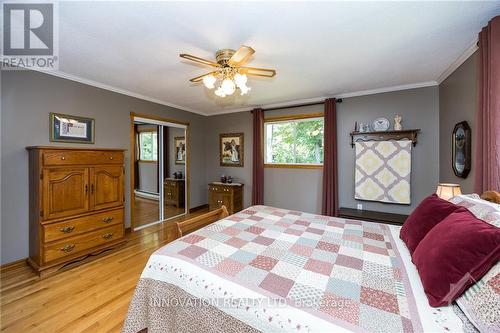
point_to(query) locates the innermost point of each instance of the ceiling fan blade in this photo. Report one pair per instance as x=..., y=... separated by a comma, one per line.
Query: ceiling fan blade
x=198, y=59
x=258, y=71
x=200, y=78
x=243, y=53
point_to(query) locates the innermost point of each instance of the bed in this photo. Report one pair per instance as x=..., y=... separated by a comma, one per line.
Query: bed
x=274, y=270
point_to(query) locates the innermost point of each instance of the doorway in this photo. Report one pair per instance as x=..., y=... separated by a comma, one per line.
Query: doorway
x=159, y=170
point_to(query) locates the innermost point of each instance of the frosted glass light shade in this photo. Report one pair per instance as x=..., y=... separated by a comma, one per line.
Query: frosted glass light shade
x=209, y=81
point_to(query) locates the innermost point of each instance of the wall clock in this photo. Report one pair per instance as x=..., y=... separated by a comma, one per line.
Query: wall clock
x=381, y=124
x=461, y=149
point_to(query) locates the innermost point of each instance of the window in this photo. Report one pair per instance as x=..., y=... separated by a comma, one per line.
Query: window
x=148, y=146
x=294, y=142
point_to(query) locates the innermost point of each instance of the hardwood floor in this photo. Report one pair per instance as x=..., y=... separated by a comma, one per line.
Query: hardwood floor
x=92, y=297
x=147, y=211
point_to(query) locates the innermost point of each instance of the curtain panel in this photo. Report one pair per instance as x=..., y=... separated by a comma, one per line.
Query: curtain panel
x=330, y=204
x=487, y=137
x=258, y=158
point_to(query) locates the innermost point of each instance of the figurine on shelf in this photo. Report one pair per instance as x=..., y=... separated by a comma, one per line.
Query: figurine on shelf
x=397, y=123
x=223, y=179
x=229, y=180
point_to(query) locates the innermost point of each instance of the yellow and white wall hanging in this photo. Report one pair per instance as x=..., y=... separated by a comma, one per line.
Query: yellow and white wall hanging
x=383, y=170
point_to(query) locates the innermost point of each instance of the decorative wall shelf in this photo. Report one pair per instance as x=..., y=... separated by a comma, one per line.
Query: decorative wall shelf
x=409, y=134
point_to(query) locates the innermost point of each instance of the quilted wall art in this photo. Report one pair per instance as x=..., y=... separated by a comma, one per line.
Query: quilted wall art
x=383, y=170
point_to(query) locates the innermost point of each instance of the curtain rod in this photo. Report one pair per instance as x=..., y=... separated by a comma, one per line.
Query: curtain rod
x=298, y=105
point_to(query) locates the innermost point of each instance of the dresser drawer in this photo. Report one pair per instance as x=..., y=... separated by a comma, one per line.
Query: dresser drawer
x=80, y=225
x=81, y=243
x=56, y=157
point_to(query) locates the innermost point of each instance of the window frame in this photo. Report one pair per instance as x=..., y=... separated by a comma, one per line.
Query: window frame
x=289, y=118
x=140, y=133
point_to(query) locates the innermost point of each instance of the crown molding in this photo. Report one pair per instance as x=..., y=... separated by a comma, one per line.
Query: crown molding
x=459, y=61
x=243, y=109
x=342, y=95
x=100, y=85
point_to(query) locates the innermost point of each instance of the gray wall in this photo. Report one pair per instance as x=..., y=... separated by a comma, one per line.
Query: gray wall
x=419, y=108
x=230, y=123
x=457, y=102
x=27, y=99
x=172, y=167
x=301, y=188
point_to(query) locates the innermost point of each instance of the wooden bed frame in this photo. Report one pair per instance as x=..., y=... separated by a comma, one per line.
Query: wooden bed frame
x=190, y=225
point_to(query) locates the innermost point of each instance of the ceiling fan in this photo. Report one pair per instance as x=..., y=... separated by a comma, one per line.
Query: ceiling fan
x=229, y=70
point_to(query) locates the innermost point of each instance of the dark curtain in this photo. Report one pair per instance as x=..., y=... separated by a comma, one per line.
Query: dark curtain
x=487, y=138
x=258, y=158
x=330, y=205
x=136, y=157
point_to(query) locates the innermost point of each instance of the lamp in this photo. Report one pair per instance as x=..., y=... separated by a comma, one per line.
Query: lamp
x=446, y=191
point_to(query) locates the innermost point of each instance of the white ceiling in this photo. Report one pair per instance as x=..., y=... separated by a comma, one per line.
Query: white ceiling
x=319, y=49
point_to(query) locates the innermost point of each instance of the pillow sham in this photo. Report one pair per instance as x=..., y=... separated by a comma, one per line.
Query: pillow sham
x=482, y=209
x=481, y=302
x=428, y=213
x=455, y=254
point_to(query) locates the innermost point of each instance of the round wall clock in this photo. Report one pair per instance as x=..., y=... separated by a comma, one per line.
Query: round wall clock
x=381, y=124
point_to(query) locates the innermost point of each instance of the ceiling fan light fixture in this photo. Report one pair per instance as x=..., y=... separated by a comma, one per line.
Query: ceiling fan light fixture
x=244, y=89
x=219, y=92
x=229, y=74
x=209, y=81
x=228, y=86
x=240, y=79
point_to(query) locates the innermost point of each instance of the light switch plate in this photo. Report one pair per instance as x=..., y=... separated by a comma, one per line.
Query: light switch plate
x=360, y=206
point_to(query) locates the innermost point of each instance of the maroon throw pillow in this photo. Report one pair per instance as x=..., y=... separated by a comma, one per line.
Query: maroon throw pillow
x=428, y=213
x=455, y=254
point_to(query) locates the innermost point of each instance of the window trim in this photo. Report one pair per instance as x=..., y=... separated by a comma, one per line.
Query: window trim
x=278, y=119
x=140, y=151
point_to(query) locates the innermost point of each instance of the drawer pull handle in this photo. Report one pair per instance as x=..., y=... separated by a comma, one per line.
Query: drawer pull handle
x=107, y=219
x=67, y=229
x=68, y=248
x=63, y=158
x=107, y=236
x=111, y=157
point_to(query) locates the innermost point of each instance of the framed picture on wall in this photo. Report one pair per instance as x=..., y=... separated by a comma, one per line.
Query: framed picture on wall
x=461, y=149
x=231, y=149
x=180, y=149
x=67, y=128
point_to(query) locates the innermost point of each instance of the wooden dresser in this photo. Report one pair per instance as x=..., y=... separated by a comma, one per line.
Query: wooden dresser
x=229, y=195
x=173, y=190
x=76, y=204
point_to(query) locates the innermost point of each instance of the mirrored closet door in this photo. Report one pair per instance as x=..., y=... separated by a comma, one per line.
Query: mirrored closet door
x=159, y=168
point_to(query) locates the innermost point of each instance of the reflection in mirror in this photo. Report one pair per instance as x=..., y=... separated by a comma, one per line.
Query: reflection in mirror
x=146, y=192
x=174, y=182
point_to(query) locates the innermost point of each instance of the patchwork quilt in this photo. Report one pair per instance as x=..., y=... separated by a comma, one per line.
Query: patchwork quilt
x=269, y=269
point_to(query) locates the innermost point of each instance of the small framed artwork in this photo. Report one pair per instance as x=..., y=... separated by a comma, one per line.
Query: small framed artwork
x=231, y=149
x=67, y=128
x=461, y=149
x=180, y=149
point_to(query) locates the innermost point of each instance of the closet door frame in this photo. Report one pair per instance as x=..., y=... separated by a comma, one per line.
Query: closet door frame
x=156, y=120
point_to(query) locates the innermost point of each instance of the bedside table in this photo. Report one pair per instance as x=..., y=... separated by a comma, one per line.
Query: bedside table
x=229, y=195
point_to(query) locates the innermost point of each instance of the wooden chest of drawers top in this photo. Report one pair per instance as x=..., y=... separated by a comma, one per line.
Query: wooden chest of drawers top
x=224, y=188
x=58, y=156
